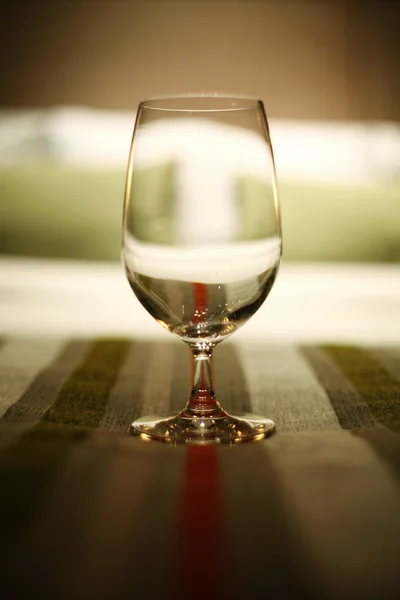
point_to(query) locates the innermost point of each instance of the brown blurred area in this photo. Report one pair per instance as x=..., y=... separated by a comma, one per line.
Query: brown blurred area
x=308, y=59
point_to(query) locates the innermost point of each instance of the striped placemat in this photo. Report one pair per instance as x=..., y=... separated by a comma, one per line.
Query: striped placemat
x=90, y=512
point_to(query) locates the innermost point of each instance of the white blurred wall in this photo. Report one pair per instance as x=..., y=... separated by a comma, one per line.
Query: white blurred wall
x=305, y=151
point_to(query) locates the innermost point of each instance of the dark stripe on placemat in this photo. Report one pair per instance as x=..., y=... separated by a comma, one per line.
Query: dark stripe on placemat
x=8, y=435
x=375, y=385
x=125, y=401
x=45, y=387
x=82, y=399
x=107, y=530
x=349, y=407
x=156, y=388
x=389, y=359
x=385, y=443
x=230, y=381
x=181, y=376
x=268, y=557
x=45, y=549
x=345, y=508
x=141, y=525
x=28, y=470
x=147, y=567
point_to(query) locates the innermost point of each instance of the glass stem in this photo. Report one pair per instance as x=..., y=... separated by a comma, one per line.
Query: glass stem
x=202, y=402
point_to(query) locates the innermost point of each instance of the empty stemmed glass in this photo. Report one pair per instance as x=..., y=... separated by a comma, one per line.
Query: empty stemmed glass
x=201, y=241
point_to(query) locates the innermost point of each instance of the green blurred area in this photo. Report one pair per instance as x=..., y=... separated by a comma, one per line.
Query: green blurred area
x=153, y=191
x=64, y=212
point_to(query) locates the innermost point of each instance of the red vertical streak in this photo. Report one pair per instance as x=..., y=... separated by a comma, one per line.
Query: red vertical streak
x=200, y=527
x=200, y=306
x=199, y=301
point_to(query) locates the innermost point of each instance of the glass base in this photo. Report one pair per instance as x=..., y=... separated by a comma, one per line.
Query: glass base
x=229, y=429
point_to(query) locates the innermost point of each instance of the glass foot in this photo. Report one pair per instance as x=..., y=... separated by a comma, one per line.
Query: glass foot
x=229, y=429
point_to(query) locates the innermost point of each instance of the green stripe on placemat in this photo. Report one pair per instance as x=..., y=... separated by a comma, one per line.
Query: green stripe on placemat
x=389, y=357
x=38, y=386
x=350, y=409
x=379, y=390
x=82, y=400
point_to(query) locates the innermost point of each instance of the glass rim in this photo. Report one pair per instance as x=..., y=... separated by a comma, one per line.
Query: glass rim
x=191, y=103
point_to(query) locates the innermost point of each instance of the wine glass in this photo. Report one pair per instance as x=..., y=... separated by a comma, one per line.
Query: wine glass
x=201, y=241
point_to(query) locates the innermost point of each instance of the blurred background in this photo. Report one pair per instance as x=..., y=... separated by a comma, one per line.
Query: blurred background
x=73, y=72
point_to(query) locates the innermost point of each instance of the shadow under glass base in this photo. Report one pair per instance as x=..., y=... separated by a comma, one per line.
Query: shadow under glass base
x=229, y=429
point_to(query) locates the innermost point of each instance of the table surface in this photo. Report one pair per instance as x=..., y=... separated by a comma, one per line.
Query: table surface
x=91, y=512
